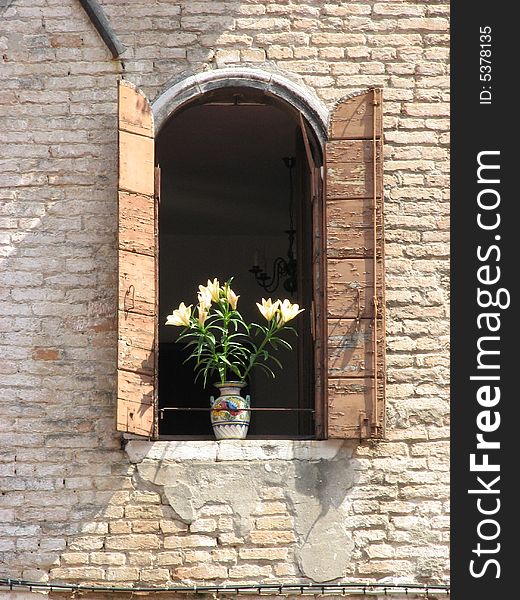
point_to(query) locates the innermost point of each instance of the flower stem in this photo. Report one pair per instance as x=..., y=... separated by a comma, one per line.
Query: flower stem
x=252, y=360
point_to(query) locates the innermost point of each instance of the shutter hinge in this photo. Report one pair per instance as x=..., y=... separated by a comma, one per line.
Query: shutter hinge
x=363, y=425
x=157, y=183
x=129, y=299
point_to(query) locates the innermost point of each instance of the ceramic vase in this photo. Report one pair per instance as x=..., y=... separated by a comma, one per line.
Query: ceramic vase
x=229, y=415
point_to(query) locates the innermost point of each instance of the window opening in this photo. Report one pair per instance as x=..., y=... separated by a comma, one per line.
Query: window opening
x=225, y=207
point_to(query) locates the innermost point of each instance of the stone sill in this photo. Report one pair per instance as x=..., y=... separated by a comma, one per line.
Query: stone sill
x=236, y=450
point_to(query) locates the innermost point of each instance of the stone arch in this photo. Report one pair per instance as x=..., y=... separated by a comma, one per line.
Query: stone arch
x=272, y=84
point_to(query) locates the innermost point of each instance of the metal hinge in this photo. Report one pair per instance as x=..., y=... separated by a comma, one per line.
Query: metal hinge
x=157, y=183
x=363, y=425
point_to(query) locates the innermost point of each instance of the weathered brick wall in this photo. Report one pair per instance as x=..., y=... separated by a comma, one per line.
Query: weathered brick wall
x=73, y=507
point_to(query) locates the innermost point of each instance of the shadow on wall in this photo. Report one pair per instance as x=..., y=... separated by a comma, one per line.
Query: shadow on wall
x=60, y=337
x=197, y=37
x=84, y=513
x=58, y=328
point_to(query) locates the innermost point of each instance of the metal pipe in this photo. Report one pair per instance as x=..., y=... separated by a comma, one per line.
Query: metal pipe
x=101, y=23
x=375, y=105
x=302, y=588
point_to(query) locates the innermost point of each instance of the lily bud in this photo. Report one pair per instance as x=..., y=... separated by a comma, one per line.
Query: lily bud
x=232, y=298
x=203, y=314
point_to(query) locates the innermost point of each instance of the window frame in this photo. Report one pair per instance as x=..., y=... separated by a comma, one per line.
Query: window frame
x=359, y=409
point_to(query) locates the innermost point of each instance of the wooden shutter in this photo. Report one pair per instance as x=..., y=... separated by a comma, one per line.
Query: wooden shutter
x=137, y=257
x=355, y=269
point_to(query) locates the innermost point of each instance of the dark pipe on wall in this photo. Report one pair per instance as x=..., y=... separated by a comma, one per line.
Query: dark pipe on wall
x=101, y=23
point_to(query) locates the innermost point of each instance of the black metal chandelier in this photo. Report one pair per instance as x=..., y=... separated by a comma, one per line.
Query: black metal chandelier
x=283, y=268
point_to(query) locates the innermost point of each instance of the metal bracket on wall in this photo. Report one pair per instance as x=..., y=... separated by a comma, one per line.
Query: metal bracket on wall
x=100, y=21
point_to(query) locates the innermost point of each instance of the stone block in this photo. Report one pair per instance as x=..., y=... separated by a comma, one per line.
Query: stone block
x=249, y=571
x=202, y=572
x=132, y=542
x=190, y=541
x=271, y=554
x=274, y=523
x=169, y=558
x=272, y=538
x=107, y=558
x=123, y=574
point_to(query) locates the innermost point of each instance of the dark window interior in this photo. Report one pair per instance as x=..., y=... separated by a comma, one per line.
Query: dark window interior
x=225, y=201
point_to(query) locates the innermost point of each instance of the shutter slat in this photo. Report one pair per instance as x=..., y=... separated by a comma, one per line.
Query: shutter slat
x=136, y=163
x=136, y=343
x=350, y=228
x=355, y=269
x=348, y=213
x=137, y=294
x=351, y=288
x=350, y=407
x=350, y=347
x=135, y=115
x=349, y=242
x=136, y=218
x=353, y=118
x=350, y=151
x=350, y=180
x=136, y=283
x=135, y=406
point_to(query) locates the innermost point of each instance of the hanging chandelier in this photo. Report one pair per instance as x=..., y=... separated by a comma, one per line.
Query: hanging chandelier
x=283, y=269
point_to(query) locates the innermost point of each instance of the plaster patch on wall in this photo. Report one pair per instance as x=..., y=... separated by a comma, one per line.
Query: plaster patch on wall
x=316, y=493
x=326, y=550
x=180, y=499
x=320, y=498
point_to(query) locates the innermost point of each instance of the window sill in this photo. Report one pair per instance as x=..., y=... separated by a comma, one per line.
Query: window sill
x=235, y=450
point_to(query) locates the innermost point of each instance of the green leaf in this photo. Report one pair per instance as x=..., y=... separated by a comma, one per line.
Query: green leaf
x=260, y=328
x=283, y=343
x=235, y=370
x=289, y=328
x=273, y=358
x=266, y=369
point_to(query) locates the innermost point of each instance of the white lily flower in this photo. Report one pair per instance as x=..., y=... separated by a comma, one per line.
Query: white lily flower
x=268, y=308
x=288, y=311
x=204, y=297
x=213, y=288
x=180, y=316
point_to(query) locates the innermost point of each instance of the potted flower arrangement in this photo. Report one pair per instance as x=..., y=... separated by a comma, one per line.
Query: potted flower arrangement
x=223, y=345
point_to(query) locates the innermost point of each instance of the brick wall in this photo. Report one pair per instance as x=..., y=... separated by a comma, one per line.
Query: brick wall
x=73, y=506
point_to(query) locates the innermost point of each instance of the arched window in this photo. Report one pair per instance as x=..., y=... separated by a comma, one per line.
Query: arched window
x=228, y=199
x=235, y=194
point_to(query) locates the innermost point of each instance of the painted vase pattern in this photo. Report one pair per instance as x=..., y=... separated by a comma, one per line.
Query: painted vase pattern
x=229, y=418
